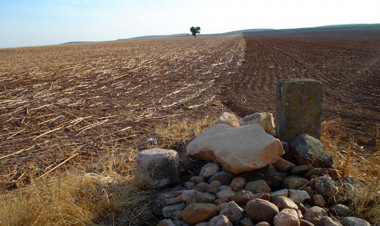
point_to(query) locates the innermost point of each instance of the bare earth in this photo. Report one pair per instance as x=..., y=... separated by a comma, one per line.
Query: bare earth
x=78, y=102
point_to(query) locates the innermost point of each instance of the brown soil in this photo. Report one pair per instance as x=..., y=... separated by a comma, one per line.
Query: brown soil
x=79, y=102
x=346, y=63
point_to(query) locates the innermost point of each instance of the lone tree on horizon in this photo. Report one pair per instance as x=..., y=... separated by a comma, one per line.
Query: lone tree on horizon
x=195, y=31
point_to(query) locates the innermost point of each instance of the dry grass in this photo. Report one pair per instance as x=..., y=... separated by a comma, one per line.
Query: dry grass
x=178, y=133
x=351, y=159
x=110, y=196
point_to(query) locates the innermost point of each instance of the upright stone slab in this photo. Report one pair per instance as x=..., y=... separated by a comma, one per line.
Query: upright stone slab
x=158, y=167
x=299, y=108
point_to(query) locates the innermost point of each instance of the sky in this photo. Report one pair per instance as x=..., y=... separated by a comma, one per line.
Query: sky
x=47, y=22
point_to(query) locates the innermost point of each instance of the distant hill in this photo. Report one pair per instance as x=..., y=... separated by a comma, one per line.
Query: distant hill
x=74, y=42
x=158, y=36
x=247, y=31
x=366, y=31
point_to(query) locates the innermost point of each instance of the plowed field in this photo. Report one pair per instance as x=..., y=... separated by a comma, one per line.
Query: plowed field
x=79, y=101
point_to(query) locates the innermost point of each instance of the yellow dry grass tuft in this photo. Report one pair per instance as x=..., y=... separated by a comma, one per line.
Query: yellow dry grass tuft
x=356, y=162
x=179, y=133
x=79, y=198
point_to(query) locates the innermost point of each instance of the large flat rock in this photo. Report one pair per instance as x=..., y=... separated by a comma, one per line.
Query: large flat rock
x=238, y=149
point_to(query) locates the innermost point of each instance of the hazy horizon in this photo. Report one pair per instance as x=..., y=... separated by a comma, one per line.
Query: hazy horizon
x=49, y=22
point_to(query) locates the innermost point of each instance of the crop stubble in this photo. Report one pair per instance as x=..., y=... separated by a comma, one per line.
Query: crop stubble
x=84, y=100
x=81, y=101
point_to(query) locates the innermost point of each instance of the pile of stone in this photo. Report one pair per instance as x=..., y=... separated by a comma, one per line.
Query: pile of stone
x=278, y=194
x=253, y=178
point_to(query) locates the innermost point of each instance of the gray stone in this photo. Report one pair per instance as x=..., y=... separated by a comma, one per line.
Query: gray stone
x=209, y=169
x=246, y=222
x=257, y=186
x=301, y=169
x=326, y=186
x=189, y=196
x=202, y=187
x=309, y=151
x=299, y=108
x=328, y=221
x=233, y=211
x=198, y=179
x=220, y=220
x=298, y=195
x=314, y=214
x=157, y=167
x=295, y=182
x=168, y=211
x=282, y=192
x=354, y=221
x=352, y=183
x=166, y=222
x=189, y=185
x=242, y=197
x=340, y=210
x=283, y=165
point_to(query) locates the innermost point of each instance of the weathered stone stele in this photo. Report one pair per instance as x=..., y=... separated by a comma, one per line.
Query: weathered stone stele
x=157, y=167
x=299, y=108
x=238, y=149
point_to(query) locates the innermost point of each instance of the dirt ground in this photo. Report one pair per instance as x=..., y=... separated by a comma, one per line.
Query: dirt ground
x=347, y=64
x=67, y=105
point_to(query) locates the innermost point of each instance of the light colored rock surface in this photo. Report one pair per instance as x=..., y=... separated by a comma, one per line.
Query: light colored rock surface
x=282, y=192
x=220, y=220
x=264, y=119
x=314, y=214
x=238, y=149
x=261, y=210
x=287, y=217
x=298, y=195
x=228, y=119
x=233, y=212
x=283, y=202
x=209, y=169
x=157, y=167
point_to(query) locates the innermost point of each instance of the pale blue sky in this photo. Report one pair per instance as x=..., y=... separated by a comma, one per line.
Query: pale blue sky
x=46, y=22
